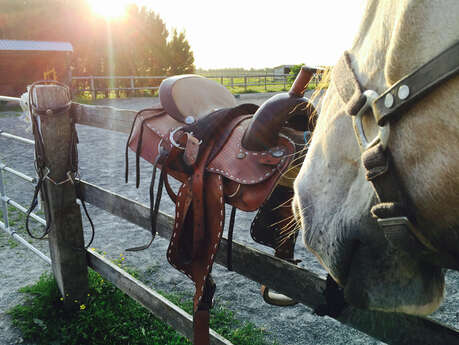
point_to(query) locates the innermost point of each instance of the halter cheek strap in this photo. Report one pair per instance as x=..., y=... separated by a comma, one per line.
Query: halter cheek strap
x=394, y=211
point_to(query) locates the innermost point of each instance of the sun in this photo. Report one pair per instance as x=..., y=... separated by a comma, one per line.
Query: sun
x=109, y=9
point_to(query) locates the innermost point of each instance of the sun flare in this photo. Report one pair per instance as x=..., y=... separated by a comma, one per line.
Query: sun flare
x=110, y=9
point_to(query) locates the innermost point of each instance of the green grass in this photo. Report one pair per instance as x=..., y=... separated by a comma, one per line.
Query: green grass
x=111, y=317
x=86, y=97
x=9, y=111
x=235, y=86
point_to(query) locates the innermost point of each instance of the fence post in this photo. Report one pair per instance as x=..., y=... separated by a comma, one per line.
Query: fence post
x=106, y=87
x=66, y=241
x=245, y=83
x=3, y=198
x=266, y=88
x=93, y=88
x=132, y=93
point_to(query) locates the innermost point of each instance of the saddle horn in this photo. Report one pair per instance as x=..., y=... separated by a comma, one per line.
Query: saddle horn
x=263, y=131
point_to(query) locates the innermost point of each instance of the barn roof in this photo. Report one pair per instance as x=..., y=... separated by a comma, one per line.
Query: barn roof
x=16, y=45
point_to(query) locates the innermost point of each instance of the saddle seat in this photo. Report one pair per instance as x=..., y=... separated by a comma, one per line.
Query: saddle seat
x=189, y=97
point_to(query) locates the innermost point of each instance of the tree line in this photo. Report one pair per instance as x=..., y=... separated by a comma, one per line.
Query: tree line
x=137, y=43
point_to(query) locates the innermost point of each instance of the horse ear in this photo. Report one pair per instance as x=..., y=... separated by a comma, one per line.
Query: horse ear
x=263, y=130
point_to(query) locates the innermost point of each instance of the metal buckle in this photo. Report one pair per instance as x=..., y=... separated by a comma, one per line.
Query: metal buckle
x=388, y=226
x=387, y=223
x=172, y=140
x=383, y=131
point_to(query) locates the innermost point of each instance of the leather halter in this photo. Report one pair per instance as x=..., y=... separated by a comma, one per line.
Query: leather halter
x=394, y=211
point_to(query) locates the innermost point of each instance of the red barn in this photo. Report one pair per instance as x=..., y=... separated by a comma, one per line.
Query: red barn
x=23, y=62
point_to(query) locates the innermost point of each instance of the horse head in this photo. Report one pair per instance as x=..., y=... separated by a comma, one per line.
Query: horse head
x=333, y=199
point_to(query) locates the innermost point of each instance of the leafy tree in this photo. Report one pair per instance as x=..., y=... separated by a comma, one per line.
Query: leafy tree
x=180, y=56
x=294, y=72
x=135, y=44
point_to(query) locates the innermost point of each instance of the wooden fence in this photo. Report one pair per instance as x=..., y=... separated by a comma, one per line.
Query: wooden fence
x=69, y=259
x=103, y=85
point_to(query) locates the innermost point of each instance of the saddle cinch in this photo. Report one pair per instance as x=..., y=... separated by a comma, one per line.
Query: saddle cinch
x=221, y=153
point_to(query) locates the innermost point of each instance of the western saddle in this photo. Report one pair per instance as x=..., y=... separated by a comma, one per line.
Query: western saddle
x=220, y=153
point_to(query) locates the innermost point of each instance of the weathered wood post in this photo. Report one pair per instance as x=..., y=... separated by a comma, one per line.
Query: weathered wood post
x=66, y=242
x=93, y=88
x=245, y=83
x=132, y=91
x=118, y=84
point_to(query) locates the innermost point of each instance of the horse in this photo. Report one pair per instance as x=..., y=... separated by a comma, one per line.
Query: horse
x=334, y=203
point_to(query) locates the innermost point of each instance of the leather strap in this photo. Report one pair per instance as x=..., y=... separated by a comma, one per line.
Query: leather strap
x=393, y=210
x=201, y=327
x=197, y=187
x=229, y=256
x=415, y=85
x=347, y=84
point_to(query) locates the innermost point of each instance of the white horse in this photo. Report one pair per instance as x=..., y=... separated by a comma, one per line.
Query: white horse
x=332, y=197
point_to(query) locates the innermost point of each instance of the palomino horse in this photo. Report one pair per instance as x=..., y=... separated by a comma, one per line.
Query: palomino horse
x=336, y=205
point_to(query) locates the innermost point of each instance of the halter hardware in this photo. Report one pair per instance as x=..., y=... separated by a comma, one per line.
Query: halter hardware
x=383, y=131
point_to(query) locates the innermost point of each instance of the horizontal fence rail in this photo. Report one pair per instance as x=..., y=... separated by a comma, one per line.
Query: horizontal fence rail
x=5, y=201
x=24, y=242
x=10, y=99
x=15, y=137
x=18, y=174
x=104, y=84
x=158, y=305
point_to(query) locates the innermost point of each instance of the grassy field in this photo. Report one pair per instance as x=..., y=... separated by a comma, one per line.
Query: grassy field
x=108, y=316
x=235, y=86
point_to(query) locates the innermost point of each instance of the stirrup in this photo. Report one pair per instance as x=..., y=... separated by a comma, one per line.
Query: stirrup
x=276, y=299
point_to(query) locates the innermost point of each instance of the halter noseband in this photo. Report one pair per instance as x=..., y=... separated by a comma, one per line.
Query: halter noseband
x=394, y=211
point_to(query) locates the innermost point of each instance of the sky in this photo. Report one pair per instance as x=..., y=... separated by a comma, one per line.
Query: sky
x=258, y=34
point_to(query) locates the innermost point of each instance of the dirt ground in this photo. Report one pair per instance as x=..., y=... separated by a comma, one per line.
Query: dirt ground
x=102, y=163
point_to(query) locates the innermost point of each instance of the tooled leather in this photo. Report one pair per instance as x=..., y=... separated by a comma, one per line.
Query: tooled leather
x=199, y=196
x=215, y=219
x=247, y=169
x=198, y=268
x=254, y=187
